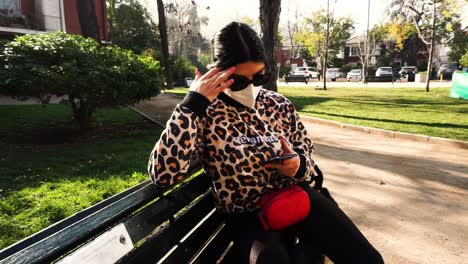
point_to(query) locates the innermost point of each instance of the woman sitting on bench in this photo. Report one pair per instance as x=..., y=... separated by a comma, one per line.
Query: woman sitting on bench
x=257, y=152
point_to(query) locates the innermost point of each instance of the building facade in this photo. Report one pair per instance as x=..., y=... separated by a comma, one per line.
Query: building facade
x=18, y=17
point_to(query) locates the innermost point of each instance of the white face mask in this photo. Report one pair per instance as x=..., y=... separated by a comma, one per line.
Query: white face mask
x=246, y=96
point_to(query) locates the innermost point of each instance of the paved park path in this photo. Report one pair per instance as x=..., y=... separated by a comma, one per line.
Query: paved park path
x=409, y=198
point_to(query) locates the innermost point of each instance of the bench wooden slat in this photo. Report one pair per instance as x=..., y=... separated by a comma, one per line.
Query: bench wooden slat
x=143, y=222
x=153, y=215
x=216, y=247
x=196, y=241
x=156, y=247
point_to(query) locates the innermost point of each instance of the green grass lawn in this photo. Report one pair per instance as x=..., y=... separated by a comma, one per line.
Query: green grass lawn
x=400, y=109
x=50, y=171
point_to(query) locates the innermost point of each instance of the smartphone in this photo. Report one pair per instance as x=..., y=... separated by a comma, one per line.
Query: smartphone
x=279, y=158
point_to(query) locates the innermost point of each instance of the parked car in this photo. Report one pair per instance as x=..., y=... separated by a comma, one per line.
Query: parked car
x=407, y=69
x=384, y=72
x=334, y=73
x=308, y=72
x=447, y=70
x=355, y=74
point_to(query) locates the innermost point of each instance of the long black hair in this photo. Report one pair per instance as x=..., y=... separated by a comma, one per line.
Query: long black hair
x=236, y=43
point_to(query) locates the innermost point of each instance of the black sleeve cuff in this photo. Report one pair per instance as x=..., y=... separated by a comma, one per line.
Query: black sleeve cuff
x=302, y=169
x=196, y=102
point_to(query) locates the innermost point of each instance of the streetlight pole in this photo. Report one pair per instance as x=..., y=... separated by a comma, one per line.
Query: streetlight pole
x=327, y=36
x=366, y=59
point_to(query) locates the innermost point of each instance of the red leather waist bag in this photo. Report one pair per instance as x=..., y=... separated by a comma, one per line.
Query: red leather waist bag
x=284, y=208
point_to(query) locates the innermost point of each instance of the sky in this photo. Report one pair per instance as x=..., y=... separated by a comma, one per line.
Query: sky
x=223, y=11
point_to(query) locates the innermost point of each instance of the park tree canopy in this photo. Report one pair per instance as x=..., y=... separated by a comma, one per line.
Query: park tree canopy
x=131, y=26
x=312, y=32
x=90, y=75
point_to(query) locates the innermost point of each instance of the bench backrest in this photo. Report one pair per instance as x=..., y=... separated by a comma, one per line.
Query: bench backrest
x=140, y=225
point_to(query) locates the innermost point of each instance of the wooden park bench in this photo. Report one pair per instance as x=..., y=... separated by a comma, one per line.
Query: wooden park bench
x=295, y=78
x=380, y=79
x=139, y=225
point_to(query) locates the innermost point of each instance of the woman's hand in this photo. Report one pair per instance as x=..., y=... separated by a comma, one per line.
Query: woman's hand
x=287, y=167
x=212, y=83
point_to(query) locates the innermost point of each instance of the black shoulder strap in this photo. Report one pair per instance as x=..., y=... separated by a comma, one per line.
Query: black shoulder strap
x=318, y=178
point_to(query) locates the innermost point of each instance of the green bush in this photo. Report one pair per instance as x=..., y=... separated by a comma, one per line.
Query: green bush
x=182, y=68
x=200, y=62
x=348, y=67
x=92, y=76
x=464, y=60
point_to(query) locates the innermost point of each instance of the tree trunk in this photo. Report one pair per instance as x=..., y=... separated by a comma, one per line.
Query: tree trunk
x=324, y=71
x=82, y=113
x=269, y=19
x=363, y=74
x=87, y=18
x=164, y=43
x=431, y=48
x=410, y=53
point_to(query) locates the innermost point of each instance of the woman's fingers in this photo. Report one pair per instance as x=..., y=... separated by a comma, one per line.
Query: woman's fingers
x=225, y=85
x=287, y=167
x=222, y=76
x=212, y=83
x=210, y=73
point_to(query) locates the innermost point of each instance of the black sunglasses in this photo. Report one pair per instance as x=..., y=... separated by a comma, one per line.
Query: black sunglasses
x=259, y=78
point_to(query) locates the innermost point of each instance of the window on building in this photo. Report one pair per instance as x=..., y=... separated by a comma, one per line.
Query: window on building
x=354, y=51
x=10, y=5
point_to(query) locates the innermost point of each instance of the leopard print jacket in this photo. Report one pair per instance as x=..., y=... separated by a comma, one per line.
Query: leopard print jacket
x=232, y=141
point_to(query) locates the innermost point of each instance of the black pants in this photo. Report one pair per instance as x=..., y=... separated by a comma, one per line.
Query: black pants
x=326, y=231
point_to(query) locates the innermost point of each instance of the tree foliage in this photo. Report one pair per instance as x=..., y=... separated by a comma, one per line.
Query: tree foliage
x=434, y=21
x=184, y=28
x=132, y=27
x=401, y=32
x=368, y=45
x=182, y=68
x=419, y=13
x=464, y=60
x=312, y=34
x=459, y=44
x=407, y=42
x=90, y=75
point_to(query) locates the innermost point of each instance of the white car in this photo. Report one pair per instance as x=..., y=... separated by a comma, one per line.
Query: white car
x=334, y=73
x=384, y=72
x=308, y=72
x=355, y=74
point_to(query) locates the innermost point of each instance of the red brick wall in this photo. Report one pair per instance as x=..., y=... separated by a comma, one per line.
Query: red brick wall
x=72, y=23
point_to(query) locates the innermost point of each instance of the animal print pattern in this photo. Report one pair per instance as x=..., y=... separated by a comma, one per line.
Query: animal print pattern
x=233, y=143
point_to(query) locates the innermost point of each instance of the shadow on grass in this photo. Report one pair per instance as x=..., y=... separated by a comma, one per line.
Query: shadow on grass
x=33, y=153
x=301, y=102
